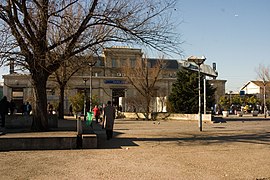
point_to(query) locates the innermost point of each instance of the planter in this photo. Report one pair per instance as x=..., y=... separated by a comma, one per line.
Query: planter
x=225, y=113
x=255, y=113
x=239, y=113
x=25, y=121
x=77, y=115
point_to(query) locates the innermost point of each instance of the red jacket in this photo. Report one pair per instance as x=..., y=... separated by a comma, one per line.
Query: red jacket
x=96, y=111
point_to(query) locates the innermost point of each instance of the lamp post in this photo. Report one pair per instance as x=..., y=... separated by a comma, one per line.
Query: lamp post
x=84, y=99
x=230, y=96
x=90, y=90
x=204, y=95
x=198, y=61
x=91, y=82
x=79, y=123
x=264, y=99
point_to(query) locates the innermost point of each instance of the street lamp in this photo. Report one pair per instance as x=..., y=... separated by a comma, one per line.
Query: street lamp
x=264, y=99
x=84, y=100
x=230, y=95
x=204, y=95
x=198, y=61
x=90, y=94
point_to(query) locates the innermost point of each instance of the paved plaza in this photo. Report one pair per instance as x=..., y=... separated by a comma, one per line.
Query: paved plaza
x=155, y=150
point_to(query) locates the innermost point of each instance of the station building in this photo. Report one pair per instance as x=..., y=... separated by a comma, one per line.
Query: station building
x=107, y=81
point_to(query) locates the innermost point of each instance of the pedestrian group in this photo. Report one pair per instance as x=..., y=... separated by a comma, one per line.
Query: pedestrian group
x=7, y=107
x=106, y=115
x=108, y=112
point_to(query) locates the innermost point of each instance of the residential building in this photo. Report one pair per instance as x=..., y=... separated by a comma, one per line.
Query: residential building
x=256, y=88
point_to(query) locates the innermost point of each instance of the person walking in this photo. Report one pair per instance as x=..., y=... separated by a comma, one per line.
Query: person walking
x=70, y=110
x=28, y=108
x=50, y=108
x=4, y=108
x=12, y=107
x=96, y=113
x=108, y=117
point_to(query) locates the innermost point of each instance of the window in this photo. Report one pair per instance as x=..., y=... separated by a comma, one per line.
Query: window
x=123, y=62
x=149, y=65
x=114, y=63
x=50, y=91
x=98, y=63
x=132, y=62
x=17, y=93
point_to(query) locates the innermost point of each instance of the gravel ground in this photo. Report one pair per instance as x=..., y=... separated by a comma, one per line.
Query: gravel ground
x=152, y=150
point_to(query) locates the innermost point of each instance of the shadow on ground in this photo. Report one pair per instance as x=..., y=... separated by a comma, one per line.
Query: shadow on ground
x=235, y=118
x=181, y=138
x=263, y=138
x=184, y=139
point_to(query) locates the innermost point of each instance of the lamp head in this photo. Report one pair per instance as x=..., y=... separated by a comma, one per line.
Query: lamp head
x=197, y=60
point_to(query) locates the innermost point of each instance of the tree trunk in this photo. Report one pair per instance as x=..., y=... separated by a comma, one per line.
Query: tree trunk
x=61, y=103
x=40, y=116
x=148, y=100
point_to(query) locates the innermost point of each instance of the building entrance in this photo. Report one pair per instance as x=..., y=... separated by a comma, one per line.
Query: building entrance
x=117, y=96
x=17, y=97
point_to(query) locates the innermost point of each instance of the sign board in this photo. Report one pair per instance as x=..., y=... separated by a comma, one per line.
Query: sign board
x=115, y=82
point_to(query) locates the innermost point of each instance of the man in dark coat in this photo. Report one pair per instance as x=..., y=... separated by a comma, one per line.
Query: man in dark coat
x=109, y=116
x=12, y=106
x=28, y=108
x=4, y=108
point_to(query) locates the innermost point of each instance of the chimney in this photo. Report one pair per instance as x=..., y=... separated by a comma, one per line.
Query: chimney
x=214, y=66
x=215, y=69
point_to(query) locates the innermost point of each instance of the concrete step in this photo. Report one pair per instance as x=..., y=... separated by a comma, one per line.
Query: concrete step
x=62, y=135
x=46, y=141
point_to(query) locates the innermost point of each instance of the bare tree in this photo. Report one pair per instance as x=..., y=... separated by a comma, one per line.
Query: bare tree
x=264, y=76
x=143, y=76
x=63, y=75
x=263, y=73
x=43, y=34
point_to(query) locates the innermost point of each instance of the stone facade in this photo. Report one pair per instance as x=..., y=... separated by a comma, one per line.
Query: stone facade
x=108, y=82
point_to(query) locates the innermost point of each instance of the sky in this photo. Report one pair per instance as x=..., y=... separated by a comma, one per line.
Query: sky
x=235, y=34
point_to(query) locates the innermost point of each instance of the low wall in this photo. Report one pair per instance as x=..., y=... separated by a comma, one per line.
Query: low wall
x=47, y=141
x=25, y=121
x=35, y=142
x=169, y=116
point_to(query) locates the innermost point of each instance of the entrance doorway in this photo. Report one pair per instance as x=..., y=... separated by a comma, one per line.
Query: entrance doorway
x=117, y=96
x=17, y=96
